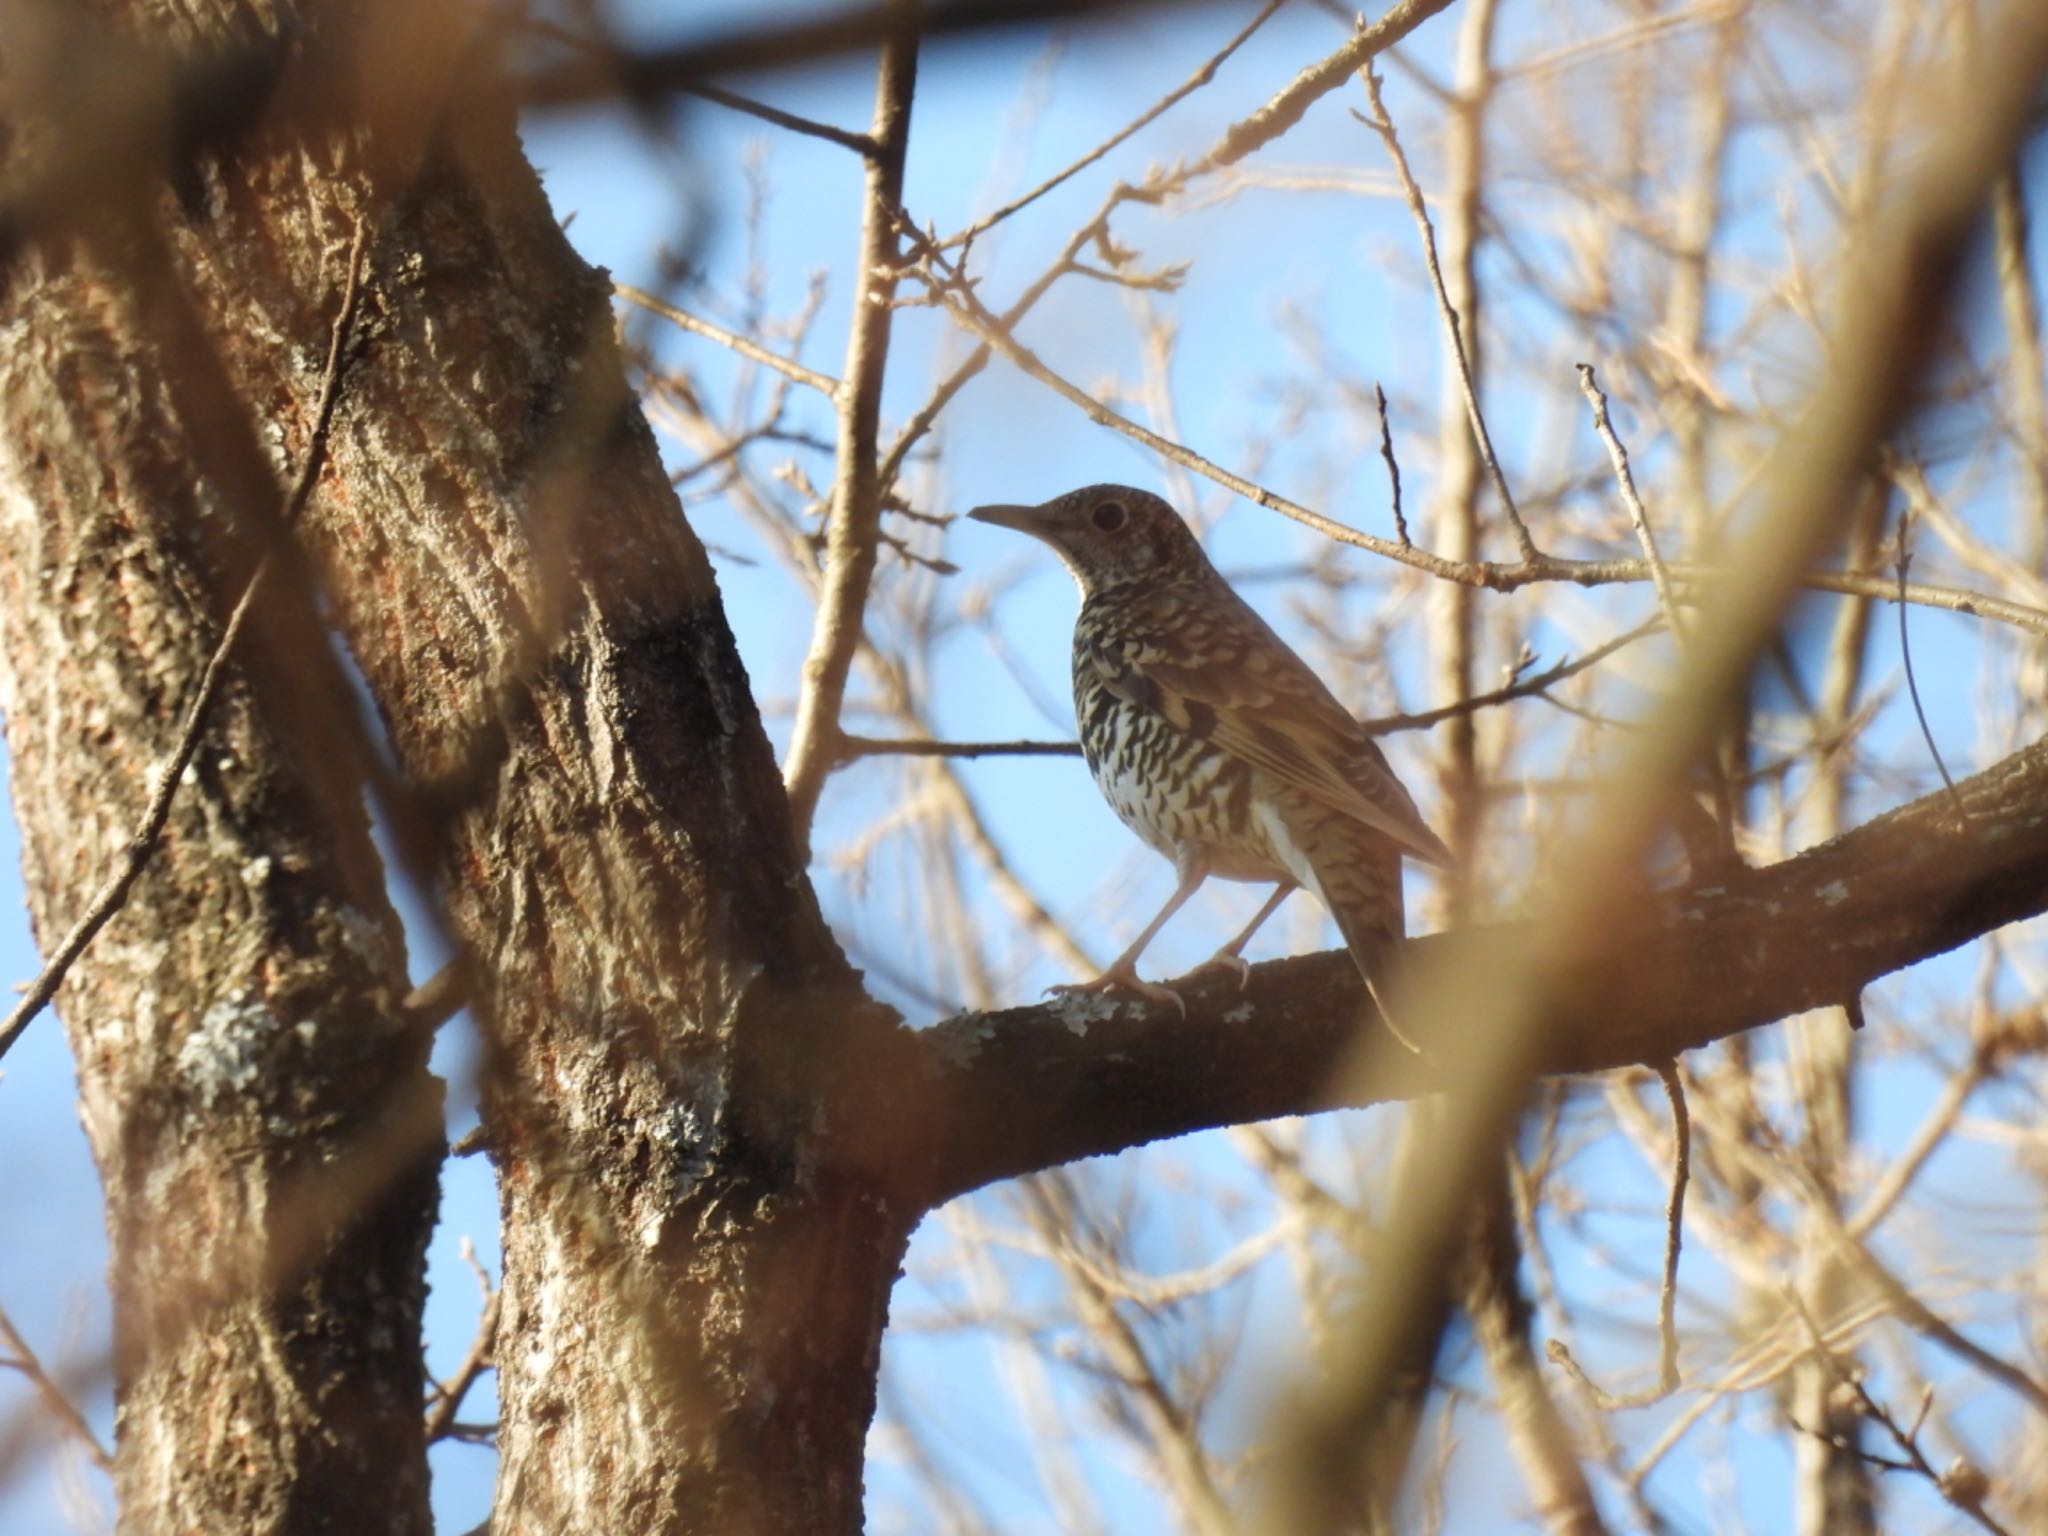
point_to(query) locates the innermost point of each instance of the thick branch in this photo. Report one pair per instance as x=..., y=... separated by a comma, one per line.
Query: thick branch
x=1032, y=1087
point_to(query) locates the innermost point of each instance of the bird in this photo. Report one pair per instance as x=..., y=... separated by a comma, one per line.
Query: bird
x=1217, y=744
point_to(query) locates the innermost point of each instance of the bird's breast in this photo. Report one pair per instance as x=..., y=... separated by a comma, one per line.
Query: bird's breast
x=1176, y=790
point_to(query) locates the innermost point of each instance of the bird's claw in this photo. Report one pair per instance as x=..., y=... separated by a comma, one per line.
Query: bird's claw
x=1120, y=981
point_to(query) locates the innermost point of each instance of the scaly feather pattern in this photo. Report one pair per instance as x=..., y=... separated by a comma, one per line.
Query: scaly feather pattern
x=1212, y=740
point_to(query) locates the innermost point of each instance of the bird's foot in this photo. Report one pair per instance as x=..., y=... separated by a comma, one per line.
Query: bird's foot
x=1227, y=960
x=1121, y=980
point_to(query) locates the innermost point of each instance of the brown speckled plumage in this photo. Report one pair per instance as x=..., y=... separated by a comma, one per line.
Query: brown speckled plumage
x=1210, y=738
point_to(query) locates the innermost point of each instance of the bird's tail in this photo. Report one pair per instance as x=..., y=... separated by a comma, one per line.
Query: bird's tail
x=1366, y=905
x=1355, y=873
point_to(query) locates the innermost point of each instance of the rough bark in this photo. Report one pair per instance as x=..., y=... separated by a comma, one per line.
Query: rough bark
x=694, y=1290
x=261, y=1115
x=693, y=1293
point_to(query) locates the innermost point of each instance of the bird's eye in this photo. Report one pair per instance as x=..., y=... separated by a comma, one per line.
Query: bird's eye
x=1109, y=516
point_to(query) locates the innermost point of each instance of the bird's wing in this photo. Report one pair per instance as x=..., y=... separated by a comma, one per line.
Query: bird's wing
x=1213, y=668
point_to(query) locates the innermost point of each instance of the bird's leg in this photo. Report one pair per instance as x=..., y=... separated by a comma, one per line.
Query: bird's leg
x=1123, y=971
x=1231, y=956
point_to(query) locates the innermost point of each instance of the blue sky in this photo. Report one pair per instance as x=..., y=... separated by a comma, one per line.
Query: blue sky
x=1276, y=273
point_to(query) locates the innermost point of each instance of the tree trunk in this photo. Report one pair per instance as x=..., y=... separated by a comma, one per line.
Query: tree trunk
x=695, y=1277
x=260, y=1112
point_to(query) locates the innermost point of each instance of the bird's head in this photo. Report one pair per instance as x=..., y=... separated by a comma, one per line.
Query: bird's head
x=1107, y=535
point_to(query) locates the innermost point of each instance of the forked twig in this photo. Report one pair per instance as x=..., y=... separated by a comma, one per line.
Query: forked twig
x=1522, y=688
x=447, y=1400
x=1667, y=1290
x=1962, y=1485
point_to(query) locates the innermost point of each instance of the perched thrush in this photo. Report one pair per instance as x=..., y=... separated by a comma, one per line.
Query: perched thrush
x=1213, y=741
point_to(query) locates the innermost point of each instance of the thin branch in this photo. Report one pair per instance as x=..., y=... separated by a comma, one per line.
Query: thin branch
x=859, y=143
x=1383, y=125
x=439, y=998
x=1932, y=1131
x=21, y=1358
x=1674, y=1228
x=600, y=50
x=1289, y=105
x=1962, y=1485
x=113, y=894
x=853, y=527
x=1617, y=455
x=1538, y=685
x=753, y=350
x=784, y=42
x=1667, y=1289
x=852, y=748
x=1186, y=88
x=447, y=1402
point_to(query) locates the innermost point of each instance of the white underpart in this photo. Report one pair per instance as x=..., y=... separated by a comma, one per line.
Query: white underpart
x=1286, y=849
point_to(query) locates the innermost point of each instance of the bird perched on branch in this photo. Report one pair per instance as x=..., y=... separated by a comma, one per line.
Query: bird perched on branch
x=1214, y=742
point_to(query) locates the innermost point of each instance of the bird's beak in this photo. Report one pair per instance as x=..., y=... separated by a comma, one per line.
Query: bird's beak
x=1024, y=519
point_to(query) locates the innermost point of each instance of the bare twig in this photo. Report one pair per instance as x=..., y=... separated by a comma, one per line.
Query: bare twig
x=600, y=50
x=448, y=1395
x=852, y=748
x=1626, y=481
x=1186, y=88
x=1291, y=103
x=753, y=350
x=1962, y=1485
x=1379, y=400
x=767, y=40
x=21, y=1358
x=113, y=894
x=439, y=998
x=859, y=143
x=1383, y=125
x=1667, y=1289
x=1674, y=1228
x=1932, y=1131
x=1528, y=687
